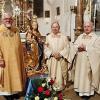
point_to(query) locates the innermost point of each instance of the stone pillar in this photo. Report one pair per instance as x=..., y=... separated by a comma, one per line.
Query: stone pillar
x=79, y=17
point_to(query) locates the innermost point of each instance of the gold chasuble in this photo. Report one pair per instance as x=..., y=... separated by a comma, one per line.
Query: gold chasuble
x=11, y=53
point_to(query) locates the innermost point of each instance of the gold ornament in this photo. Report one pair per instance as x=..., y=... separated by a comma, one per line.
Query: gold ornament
x=34, y=18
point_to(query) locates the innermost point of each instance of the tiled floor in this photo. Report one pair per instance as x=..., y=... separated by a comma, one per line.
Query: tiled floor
x=69, y=94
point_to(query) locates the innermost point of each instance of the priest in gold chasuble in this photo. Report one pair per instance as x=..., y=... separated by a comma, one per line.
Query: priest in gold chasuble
x=11, y=59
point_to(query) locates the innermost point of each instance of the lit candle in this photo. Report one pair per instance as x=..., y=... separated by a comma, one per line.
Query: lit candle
x=76, y=2
x=95, y=8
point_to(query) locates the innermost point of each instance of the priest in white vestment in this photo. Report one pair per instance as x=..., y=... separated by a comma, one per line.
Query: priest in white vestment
x=56, y=52
x=87, y=62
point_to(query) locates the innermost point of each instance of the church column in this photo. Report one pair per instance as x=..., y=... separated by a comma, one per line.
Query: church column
x=79, y=17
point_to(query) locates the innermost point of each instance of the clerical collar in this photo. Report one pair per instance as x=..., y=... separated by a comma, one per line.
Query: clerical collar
x=56, y=35
x=90, y=34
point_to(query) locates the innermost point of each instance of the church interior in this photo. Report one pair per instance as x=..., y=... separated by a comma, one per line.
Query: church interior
x=71, y=15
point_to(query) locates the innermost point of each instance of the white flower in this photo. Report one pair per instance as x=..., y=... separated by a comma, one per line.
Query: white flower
x=37, y=98
x=55, y=98
x=48, y=79
x=46, y=99
x=43, y=84
x=55, y=88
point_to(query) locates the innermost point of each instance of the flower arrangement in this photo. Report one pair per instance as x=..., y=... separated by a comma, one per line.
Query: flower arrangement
x=43, y=90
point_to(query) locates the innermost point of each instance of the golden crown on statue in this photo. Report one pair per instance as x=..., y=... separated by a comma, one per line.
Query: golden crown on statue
x=34, y=18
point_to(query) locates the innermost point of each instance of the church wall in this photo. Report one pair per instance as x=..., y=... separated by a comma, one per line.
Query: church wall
x=45, y=22
x=60, y=11
x=64, y=16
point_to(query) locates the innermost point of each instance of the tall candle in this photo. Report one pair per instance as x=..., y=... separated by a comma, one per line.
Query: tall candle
x=95, y=8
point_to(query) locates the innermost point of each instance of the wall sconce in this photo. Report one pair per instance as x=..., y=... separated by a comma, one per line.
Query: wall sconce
x=73, y=9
